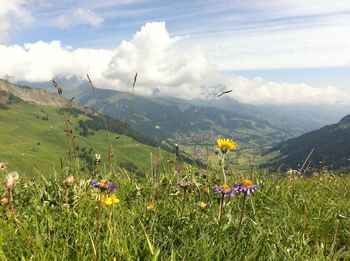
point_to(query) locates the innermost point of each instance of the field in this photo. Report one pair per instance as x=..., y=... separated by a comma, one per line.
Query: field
x=290, y=217
x=33, y=140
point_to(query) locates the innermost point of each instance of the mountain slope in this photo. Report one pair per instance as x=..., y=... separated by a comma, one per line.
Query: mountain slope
x=178, y=121
x=33, y=137
x=331, y=146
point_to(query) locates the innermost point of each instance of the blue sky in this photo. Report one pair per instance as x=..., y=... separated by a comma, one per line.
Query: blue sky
x=295, y=43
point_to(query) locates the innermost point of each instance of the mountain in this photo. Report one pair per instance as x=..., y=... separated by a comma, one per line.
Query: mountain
x=298, y=118
x=35, y=126
x=173, y=120
x=330, y=146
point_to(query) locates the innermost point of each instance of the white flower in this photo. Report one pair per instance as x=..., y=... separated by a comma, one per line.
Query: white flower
x=12, y=178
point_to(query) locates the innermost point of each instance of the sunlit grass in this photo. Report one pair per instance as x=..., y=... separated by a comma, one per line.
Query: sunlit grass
x=289, y=217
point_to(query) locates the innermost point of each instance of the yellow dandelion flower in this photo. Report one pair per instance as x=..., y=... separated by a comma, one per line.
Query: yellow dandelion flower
x=226, y=145
x=109, y=200
x=150, y=205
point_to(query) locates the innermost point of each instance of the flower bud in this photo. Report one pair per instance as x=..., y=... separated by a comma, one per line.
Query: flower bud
x=217, y=151
x=4, y=201
x=3, y=166
x=69, y=181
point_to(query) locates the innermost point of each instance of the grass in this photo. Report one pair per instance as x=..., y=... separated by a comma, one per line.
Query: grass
x=22, y=127
x=288, y=218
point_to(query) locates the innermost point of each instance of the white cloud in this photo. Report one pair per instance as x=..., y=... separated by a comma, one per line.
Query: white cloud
x=12, y=12
x=40, y=61
x=261, y=91
x=78, y=16
x=162, y=66
x=154, y=55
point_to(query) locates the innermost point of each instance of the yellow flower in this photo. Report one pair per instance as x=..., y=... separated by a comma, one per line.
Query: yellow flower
x=226, y=144
x=225, y=188
x=150, y=205
x=247, y=183
x=109, y=200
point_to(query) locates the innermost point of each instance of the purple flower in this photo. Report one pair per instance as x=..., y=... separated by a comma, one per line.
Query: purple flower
x=185, y=184
x=225, y=189
x=246, y=187
x=104, y=185
x=112, y=188
x=95, y=183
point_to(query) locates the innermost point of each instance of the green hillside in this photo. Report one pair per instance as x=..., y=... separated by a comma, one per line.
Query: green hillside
x=330, y=145
x=33, y=137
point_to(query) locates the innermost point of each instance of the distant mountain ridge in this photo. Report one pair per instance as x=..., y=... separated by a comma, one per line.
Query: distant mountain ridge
x=331, y=145
x=182, y=122
x=198, y=122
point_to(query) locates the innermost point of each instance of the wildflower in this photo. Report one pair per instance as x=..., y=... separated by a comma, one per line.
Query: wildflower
x=97, y=160
x=104, y=185
x=3, y=166
x=178, y=170
x=3, y=201
x=69, y=181
x=150, y=205
x=226, y=145
x=203, y=205
x=98, y=157
x=12, y=178
x=246, y=187
x=225, y=190
x=111, y=200
x=185, y=184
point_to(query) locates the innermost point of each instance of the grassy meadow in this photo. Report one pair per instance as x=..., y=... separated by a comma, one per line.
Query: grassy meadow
x=33, y=140
x=290, y=217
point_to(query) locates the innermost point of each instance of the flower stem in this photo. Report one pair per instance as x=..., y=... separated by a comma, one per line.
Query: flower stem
x=12, y=206
x=223, y=168
x=99, y=213
x=183, y=204
x=67, y=191
x=241, y=217
x=221, y=214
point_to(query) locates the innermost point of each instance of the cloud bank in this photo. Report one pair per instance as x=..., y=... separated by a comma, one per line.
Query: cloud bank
x=162, y=65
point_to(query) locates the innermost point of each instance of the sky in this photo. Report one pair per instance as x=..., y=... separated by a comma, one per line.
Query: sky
x=267, y=51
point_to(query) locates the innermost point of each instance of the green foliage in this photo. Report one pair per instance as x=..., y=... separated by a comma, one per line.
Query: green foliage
x=289, y=218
